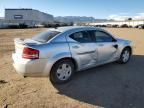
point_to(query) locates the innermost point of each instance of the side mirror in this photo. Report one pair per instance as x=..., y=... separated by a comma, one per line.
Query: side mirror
x=114, y=40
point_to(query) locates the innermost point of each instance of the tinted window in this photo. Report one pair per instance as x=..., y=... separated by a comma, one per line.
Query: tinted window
x=103, y=37
x=82, y=37
x=45, y=36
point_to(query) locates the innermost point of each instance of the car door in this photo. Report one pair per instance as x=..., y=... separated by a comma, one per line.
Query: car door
x=107, y=47
x=83, y=49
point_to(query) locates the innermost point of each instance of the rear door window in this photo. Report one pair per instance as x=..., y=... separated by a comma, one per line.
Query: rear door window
x=82, y=37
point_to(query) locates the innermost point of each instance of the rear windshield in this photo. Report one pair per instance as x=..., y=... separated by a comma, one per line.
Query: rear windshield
x=45, y=36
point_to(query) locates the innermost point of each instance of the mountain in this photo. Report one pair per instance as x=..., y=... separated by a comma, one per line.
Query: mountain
x=77, y=19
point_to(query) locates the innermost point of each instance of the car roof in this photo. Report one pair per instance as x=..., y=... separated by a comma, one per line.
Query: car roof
x=69, y=28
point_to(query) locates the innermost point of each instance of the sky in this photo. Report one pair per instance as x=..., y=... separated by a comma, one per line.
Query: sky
x=100, y=9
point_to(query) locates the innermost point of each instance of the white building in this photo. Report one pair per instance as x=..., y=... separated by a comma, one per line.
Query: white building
x=29, y=17
x=129, y=23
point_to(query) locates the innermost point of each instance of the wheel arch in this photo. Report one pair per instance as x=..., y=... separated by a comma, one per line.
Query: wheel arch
x=67, y=58
x=128, y=47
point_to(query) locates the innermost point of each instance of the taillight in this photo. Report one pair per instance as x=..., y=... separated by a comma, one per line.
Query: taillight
x=30, y=53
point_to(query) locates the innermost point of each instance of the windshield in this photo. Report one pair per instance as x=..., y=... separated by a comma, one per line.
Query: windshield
x=45, y=36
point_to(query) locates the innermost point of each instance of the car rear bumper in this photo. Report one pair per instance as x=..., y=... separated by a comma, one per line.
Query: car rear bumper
x=31, y=68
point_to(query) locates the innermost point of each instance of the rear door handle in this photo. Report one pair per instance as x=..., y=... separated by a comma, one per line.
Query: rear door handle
x=75, y=47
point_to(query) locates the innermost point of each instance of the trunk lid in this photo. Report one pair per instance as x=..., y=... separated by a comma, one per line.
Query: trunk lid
x=21, y=43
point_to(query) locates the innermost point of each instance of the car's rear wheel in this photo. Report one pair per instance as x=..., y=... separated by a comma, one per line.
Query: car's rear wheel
x=125, y=56
x=62, y=71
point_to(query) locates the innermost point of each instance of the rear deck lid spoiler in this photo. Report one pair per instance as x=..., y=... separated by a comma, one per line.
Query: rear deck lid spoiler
x=25, y=41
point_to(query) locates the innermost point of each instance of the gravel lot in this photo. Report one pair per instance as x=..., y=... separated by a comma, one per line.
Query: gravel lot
x=108, y=86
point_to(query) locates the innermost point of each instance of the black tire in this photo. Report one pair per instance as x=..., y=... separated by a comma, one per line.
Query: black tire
x=121, y=60
x=54, y=78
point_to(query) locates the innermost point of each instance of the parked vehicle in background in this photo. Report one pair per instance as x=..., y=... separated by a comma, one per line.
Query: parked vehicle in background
x=60, y=52
x=141, y=26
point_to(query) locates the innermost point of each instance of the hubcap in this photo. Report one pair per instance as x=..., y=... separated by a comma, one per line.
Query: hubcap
x=126, y=56
x=64, y=71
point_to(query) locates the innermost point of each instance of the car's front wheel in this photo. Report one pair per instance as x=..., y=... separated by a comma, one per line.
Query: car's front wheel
x=125, y=56
x=62, y=71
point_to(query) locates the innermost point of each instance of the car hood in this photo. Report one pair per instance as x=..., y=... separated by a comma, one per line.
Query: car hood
x=124, y=41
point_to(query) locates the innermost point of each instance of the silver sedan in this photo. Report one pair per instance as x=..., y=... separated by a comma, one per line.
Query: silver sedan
x=60, y=52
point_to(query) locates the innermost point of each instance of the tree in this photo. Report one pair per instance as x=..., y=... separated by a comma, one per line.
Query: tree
x=129, y=19
x=71, y=23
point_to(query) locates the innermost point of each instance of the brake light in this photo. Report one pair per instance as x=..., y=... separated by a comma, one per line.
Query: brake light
x=30, y=53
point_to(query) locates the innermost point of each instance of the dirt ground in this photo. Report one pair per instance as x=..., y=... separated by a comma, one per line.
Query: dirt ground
x=108, y=86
